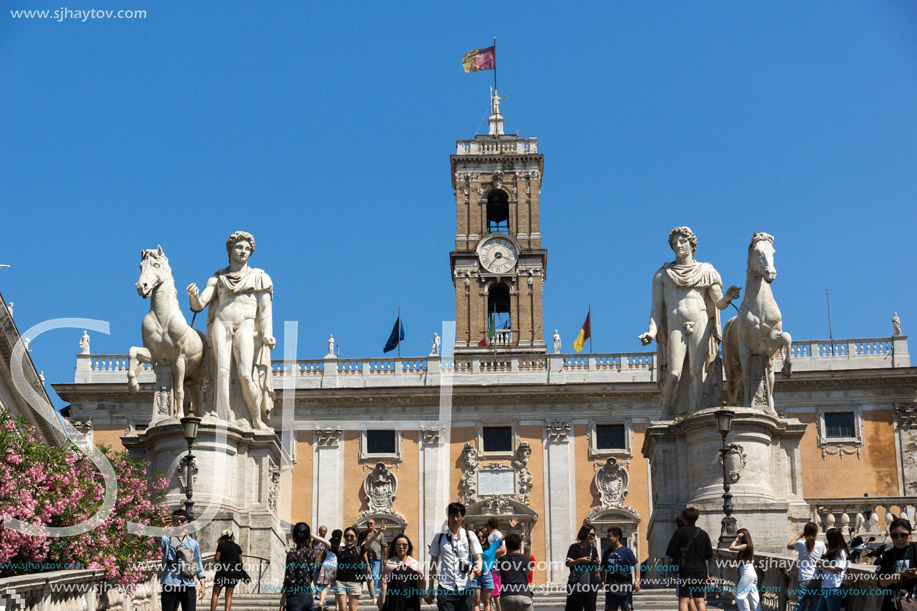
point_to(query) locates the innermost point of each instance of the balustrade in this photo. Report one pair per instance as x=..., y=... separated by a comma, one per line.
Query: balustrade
x=628, y=366
x=861, y=515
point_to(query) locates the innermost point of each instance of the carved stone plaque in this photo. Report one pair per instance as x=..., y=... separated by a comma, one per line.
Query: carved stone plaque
x=496, y=482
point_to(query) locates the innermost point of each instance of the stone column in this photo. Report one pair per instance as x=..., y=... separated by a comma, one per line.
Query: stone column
x=327, y=493
x=560, y=497
x=434, y=486
x=906, y=421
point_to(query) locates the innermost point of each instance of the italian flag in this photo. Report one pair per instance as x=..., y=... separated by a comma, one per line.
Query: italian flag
x=490, y=334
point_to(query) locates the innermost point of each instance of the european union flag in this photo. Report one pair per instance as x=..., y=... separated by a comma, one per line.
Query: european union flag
x=396, y=337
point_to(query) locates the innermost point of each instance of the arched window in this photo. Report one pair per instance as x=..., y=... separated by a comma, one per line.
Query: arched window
x=498, y=311
x=497, y=212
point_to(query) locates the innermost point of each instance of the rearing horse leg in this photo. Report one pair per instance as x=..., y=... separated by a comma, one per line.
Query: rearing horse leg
x=787, y=369
x=178, y=382
x=136, y=356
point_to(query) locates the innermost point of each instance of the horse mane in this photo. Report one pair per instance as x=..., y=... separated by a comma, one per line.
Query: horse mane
x=153, y=254
x=759, y=237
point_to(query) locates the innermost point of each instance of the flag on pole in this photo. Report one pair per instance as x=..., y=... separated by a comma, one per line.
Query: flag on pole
x=396, y=337
x=480, y=59
x=490, y=333
x=584, y=334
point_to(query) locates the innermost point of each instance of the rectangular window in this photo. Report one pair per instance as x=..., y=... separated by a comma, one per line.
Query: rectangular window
x=380, y=442
x=840, y=425
x=498, y=439
x=610, y=437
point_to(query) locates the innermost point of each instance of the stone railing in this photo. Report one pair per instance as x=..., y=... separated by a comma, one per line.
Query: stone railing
x=777, y=581
x=82, y=589
x=809, y=355
x=494, y=146
x=862, y=516
x=863, y=353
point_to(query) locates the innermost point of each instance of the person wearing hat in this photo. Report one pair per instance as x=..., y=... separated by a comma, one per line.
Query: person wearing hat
x=228, y=563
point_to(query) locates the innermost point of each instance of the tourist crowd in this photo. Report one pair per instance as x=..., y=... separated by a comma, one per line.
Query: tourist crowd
x=485, y=570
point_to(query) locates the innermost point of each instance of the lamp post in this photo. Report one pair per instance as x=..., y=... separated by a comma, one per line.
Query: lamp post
x=724, y=424
x=190, y=425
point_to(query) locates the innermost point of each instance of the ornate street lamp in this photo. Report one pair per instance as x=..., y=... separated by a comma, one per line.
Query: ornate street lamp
x=190, y=425
x=724, y=425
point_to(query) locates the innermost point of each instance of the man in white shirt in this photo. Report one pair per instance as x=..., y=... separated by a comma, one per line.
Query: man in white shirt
x=455, y=560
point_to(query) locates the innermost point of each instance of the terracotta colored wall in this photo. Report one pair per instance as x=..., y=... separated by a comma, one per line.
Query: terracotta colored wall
x=407, y=502
x=874, y=473
x=108, y=435
x=353, y=477
x=301, y=476
x=638, y=487
x=533, y=434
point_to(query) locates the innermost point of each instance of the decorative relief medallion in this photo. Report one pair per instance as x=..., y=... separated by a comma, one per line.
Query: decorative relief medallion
x=735, y=462
x=611, y=481
x=181, y=470
x=498, y=179
x=380, y=486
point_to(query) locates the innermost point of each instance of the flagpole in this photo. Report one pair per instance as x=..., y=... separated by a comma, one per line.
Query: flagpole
x=495, y=65
x=398, y=335
x=589, y=316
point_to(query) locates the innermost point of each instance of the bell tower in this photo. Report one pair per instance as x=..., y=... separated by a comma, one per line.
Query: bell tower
x=498, y=265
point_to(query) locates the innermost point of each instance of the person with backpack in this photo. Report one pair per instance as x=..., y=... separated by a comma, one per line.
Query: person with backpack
x=619, y=574
x=690, y=549
x=181, y=563
x=515, y=570
x=455, y=562
x=833, y=566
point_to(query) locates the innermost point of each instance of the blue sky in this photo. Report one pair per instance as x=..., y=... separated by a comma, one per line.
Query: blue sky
x=325, y=130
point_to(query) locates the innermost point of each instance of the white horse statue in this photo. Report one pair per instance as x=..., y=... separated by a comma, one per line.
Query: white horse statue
x=756, y=331
x=168, y=340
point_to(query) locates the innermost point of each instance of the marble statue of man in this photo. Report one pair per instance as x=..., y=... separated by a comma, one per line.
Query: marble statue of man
x=436, y=344
x=84, y=343
x=331, y=345
x=556, y=342
x=685, y=322
x=896, y=325
x=240, y=329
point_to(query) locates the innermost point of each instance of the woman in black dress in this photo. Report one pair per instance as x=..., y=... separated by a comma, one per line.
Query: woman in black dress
x=228, y=561
x=897, y=570
x=402, y=578
x=584, y=581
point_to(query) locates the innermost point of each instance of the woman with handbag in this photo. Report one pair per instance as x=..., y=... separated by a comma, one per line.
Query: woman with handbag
x=898, y=569
x=228, y=561
x=584, y=580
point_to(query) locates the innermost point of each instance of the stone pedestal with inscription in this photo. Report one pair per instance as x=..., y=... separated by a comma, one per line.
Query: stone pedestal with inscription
x=763, y=467
x=235, y=484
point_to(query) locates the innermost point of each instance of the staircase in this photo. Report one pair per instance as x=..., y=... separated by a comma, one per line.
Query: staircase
x=645, y=600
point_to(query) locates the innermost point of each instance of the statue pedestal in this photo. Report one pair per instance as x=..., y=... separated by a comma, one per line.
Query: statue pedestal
x=764, y=471
x=235, y=484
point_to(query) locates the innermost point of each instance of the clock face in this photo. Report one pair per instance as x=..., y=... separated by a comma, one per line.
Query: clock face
x=498, y=255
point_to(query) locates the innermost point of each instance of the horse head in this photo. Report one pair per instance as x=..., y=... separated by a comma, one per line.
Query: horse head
x=761, y=256
x=154, y=270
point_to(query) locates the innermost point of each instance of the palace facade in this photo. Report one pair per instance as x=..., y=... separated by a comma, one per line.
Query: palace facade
x=515, y=431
